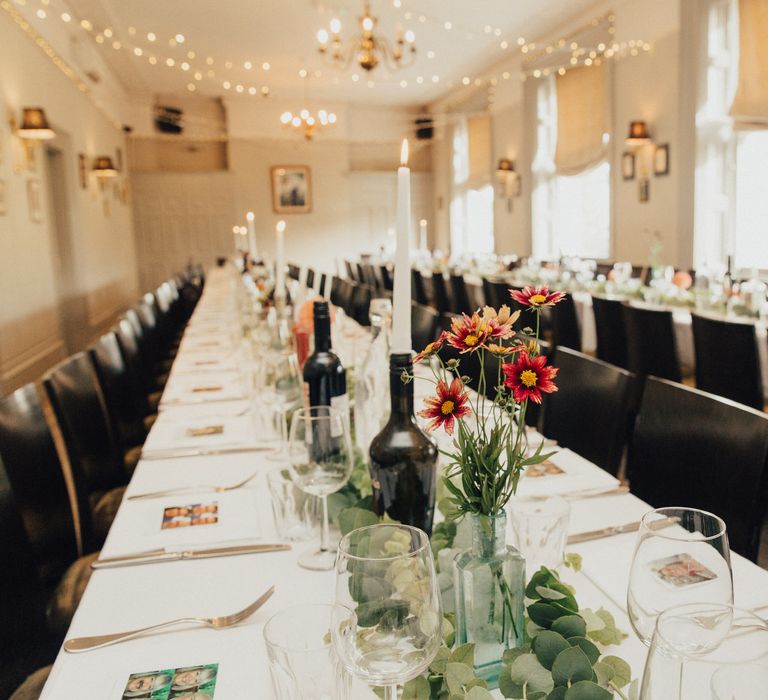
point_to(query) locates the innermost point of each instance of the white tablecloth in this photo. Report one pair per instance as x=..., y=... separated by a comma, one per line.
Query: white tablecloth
x=127, y=598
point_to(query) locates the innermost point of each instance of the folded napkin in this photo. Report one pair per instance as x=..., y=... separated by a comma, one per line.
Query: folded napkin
x=170, y=433
x=208, y=386
x=565, y=473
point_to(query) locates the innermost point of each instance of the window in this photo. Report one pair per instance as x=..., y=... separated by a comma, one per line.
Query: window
x=731, y=165
x=571, y=213
x=472, y=200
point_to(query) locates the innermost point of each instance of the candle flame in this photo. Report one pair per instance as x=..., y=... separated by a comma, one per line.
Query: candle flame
x=235, y=229
x=243, y=230
x=280, y=226
x=250, y=216
x=423, y=222
x=404, y=153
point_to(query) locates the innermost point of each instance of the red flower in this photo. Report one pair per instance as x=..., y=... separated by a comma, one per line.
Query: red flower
x=536, y=297
x=528, y=377
x=446, y=406
x=431, y=348
x=468, y=333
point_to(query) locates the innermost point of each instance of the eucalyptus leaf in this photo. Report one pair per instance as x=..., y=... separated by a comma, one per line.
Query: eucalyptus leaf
x=547, y=645
x=571, y=666
x=352, y=518
x=570, y=626
x=527, y=671
x=592, y=652
x=587, y=690
x=478, y=692
x=573, y=561
x=464, y=654
x=544, y=614
x=609, y=634
x=622, y=673
x=457, y=675
x=507, y=687
x=440, y=661
x=417, y=689
x=604, y=673
x=550, y=593
x=557, y=694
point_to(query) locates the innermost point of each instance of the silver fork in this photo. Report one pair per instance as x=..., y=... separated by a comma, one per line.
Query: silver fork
x=193, y=489
x=78, y=644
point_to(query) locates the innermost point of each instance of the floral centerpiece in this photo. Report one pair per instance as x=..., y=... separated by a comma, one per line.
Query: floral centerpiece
x=489, y=453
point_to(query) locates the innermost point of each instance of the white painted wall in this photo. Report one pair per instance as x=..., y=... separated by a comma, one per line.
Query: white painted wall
x=102, y=280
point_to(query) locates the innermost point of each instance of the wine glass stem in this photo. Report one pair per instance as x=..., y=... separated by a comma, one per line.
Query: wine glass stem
x=324, y=529
x=390, y=692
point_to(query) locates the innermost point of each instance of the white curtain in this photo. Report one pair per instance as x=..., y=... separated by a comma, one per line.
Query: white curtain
x=750, y=106
x=582, y=119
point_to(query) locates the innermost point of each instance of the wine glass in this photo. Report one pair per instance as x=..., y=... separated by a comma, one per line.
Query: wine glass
x=387, y=621
x=278, y=391
x=698, y=648
x=320, y=461
x=681, y=556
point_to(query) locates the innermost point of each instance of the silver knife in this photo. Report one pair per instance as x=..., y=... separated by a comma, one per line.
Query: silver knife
x=155, y=556
x=201, y=452
x=619, y=530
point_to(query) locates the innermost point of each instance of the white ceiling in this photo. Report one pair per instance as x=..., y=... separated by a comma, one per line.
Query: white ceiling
x=282, y=33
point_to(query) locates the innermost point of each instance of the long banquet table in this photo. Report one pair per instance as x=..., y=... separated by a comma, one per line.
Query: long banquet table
x=131, y=597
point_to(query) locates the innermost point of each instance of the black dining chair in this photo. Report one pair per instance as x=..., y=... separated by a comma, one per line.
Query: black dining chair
x=610, y=331
x=351, y=270
x=336, y=292
x=386, y=277
x=459, y=295
x=322, y=291
x=58, y=520
x=361, y=304
x=694, y=449
x=141, y=381
x=497, y=293
x=425, y=325
x=347, y=297
x=310, y=278
x=651, y=345
x=81, y=416
x=24, y=636
x=440, y=293
x=589, y=413
x=418, y=290
x=125, y=401
x=565, y=327
x=742, y=381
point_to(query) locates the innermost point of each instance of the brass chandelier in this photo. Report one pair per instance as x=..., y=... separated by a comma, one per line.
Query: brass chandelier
x=306, y=122
x=368, y=49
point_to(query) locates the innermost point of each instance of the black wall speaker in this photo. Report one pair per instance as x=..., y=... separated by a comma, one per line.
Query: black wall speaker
x=168, y=120
x=424, y=128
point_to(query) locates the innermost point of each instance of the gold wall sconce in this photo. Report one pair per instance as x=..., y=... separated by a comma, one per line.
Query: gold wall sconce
x=34, y=128
x=640, y=146
x=509, y=181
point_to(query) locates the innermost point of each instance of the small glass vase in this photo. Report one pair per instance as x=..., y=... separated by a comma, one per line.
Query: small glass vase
x=489, y=586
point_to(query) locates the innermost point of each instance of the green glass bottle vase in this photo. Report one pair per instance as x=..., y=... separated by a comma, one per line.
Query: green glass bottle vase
x=489, y=587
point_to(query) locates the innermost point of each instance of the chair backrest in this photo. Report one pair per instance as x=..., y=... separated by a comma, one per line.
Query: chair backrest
x=418, y=291
x=386, y=277
x=690, y=448
x=347, y=297
x=710, y=338
x=610, y=332
x=351, y=270
x=52, y=513
x=651, y=345
x=134, y=359
x=322, y=291
x=80, y=412
x=566, y=330
x=440, y=293
x=310, y=278
x=368, y=275
x=589, y=413
x=24, y=639
x=126, y=403
x=460, y=296
x=337, y=291
x=425, y=325
x=361, y=304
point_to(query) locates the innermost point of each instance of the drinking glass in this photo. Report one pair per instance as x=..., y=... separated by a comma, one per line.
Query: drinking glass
x=282, y=393
x=380, y=311
x=320, y=459
x=540, y=529
x=681, y=556
x=294, y=510
x=693, y=641
x=302, y=661
x=387, y=621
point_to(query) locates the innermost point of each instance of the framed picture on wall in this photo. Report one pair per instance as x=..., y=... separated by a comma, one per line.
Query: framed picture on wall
x=627, y=166
x=291, y=189
x=661, y=160
x=3, y=199
x=34, y=200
